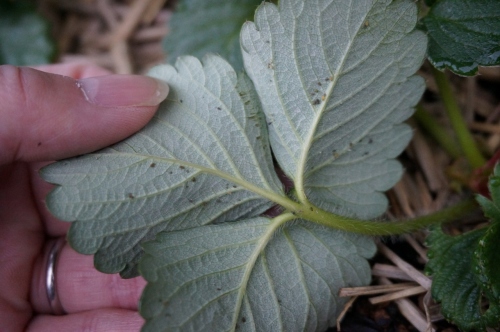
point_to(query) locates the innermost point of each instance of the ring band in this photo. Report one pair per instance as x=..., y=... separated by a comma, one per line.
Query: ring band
x=50, y=277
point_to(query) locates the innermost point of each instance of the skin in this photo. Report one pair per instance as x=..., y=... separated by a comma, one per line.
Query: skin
x=45, y=117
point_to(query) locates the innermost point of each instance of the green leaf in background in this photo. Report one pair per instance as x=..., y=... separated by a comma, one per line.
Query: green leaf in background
x=334, y=79
x=454, y=284
x=465, y=269
x=486, y=254
x=464, y=34
x=198, y=27
x=24, y=35
x=191, y=165
x=253, y=275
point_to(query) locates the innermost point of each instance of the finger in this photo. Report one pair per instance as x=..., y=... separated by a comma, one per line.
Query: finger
x=80, y=287
x=102, y=320
x=46, y=116
x=75, y=70
x=21, y=239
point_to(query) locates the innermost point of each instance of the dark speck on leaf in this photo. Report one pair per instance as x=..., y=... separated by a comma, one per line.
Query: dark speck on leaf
x=182, y=167
x=218, y=288
x=193, y=180
x=131, y=196
x=180, y=101
x=319, y=83
x=219, y=108
x=243, y=319
x=366, y=153
x=316, y=102
x=153, y=165
x=370, y=141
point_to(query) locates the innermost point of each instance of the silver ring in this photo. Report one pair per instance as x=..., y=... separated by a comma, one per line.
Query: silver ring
x=50, y=276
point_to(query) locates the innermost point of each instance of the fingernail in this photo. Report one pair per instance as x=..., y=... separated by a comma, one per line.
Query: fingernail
x=123, y=90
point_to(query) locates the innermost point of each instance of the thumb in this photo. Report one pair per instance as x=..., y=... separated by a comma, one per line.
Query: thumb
x=46, y=116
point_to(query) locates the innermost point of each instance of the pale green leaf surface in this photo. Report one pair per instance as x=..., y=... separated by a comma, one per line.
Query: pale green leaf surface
x=334, y=79
x=198, y=27
x=253, y=275
x=191, y=165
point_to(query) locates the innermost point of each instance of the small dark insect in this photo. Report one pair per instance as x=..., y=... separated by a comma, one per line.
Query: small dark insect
x=193, y=180
x=319, y=83
x=219, y=108
x=181, y=101
x=243, y=319
x=130, y=196
x=370, y=141
x=153, y=165
x=182, y=167
x=316, y=102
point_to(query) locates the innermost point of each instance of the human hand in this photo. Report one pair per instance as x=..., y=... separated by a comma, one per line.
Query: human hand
x=46, y=117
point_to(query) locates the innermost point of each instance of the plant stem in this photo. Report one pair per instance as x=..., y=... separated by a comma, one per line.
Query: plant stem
x=465, y=139
x=386, y=228
x=437, y=132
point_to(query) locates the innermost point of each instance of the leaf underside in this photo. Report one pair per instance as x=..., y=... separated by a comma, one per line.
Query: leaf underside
x=333, y=79
x=198, y=27
x=170, y=175
x=464, y=35
x=333, y=83
x=235, y=280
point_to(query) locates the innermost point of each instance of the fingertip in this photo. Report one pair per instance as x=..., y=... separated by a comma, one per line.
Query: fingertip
x=47, y=116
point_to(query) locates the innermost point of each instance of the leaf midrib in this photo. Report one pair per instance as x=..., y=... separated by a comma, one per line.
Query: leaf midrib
x=300, y=176
x=259, y=248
